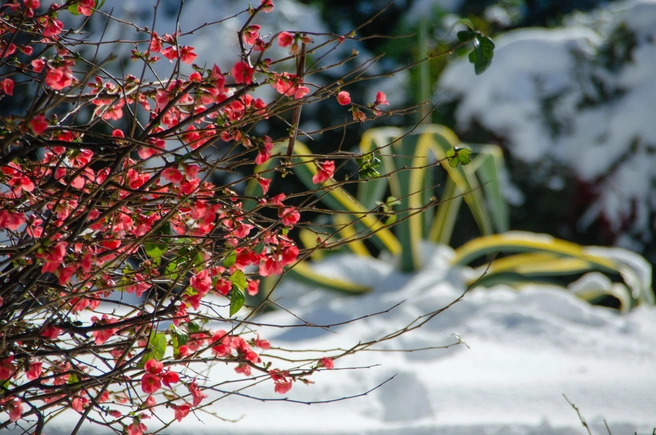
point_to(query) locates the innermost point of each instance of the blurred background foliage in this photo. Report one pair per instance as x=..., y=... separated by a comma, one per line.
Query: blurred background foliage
x=553, y=192
x=547, y=195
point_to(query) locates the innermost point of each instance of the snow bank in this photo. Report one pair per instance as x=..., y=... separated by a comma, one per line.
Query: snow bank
x=526, y=349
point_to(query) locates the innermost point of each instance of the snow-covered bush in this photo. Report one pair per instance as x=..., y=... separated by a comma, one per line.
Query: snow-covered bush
x=574, y=106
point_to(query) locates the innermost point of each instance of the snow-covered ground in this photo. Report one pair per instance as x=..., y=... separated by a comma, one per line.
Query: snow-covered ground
x=526, y=349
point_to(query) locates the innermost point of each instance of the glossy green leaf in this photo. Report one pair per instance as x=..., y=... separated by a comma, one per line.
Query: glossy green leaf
x=459, y=156
x=482, y=55
x=230, y=259
x=466, y=35
x=239, y=280
x=180, y=336
x=158, y=345
x=237, y=300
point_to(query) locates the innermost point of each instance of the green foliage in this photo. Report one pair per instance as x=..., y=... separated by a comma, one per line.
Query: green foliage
x=459, y=156
x=156, y=348
x=398, y=223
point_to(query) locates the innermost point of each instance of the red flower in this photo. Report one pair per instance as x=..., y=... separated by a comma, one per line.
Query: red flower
x=170, y=377
x=137, y=428
x=270, y=267
x=66, y=274
x=38, y=124
x=253, y=286
x=153, y=366
x=344, y=98
x=187, y=54
x=7, y=86
x=59, y=78
x=6, y=368
x=325, y=170
x=264, y=184
x=285, y=39
x=173, y=175
x=201, y=282
x=381, y=99
x=242, y=73
x=196, y=394
x=52, y=27
x=327, y=362
x=85, y=6
x=50, y=332
x=15, y=409
x=251, y=33
x=11, y=220
x=283, y=387
x=150, y=383
x=181, y=411
x=289, y=216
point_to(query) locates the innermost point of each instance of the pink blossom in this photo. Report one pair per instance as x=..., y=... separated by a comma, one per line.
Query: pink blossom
x=253, y=287
x=7, y=86
x=251, y=34
x=11, y=220
x=15, y=409
x=84, y=7
x=59, y=78
x=181, y=411
x=153, y=366
x=327, y=362
x=137, y=428
x=50, y=332
x=344, y=98
x=381, y=99
x=196, y=394
x=289, y=216
x=242, y=73
x=150, y=383
x=39, y=124
x=6, y=368
x=169, y=378
x=325, y=170
x=285, y=39
x=187, y=54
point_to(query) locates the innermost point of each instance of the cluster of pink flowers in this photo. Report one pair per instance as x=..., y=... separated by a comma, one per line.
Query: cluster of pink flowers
x=92, y=212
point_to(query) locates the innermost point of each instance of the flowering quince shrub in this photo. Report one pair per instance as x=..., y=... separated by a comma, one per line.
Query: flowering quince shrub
x=106, y=190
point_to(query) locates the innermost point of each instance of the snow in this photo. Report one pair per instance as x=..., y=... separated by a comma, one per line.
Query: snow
x=523, y=351
x=540, y=94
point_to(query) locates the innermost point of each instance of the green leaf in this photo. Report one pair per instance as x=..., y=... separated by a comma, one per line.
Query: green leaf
x=73, y=379
x=155, y=250
x=158, y=345
x=170, y=271
x=230, y=259
x=459, y=156
x=236, y=300
x=368, y=166
x=484, y=52
x=73, y=9
x=239, y=280
x=466, y=35
x=472, y=57
x=180, y=335
x=193, y=327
